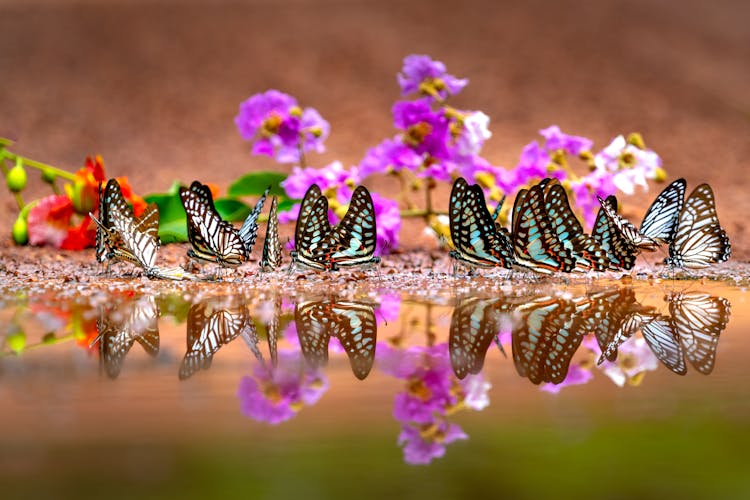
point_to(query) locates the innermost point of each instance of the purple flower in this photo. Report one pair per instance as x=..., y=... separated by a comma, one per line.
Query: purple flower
x=533, y=162
x=389, y=306
x=631, y=165
x=423, y=444
x=276, y=395
x=332, y=177
x=577, y=375
x=279, y=128
x=421, y=74
x=475, y=389
x=426, y=131
x=634, y=359
x=389, y=154
x=474, y=132
x=571, y=144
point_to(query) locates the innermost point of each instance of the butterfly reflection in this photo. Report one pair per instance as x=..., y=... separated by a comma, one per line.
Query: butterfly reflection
x=211, y=324
x=353, y=323
x=119, y=329
x=547, y=331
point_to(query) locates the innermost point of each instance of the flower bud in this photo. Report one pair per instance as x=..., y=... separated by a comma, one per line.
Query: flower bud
x=16, y=178
x=295, y=111
x=316, y=132
x=660, y=175
x=20, y=231
x=83, y=195
x=48, y=176
x=16, y=341
x=636, y=140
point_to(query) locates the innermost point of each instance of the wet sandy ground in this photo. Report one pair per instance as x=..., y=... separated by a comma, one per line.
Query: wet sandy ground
x=154, y=86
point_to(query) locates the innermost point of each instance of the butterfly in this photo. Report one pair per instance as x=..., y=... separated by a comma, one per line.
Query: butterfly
x=535, y=241
x=473, y=231
x=311, y=228
x=211, y=238
x=271, y=246
x=586, y=251
x=136, y=322
x=659, y=223
x=474, y=324
x=111, y=200
x=700, y=240
x=698, y=319
x=138, y=247
x=353, y=323
x=620, y=253
x=660, y=336
x=352, y=241
x=249, y=229
x=211, y=324
x=545, y=340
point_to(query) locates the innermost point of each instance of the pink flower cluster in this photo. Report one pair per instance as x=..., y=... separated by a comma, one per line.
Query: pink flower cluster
x=432, y=392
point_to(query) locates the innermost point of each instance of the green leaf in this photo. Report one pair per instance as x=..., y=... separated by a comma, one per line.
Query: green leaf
x=232, y=209
x=172, y=219
x=255, y=183
x=285, y=205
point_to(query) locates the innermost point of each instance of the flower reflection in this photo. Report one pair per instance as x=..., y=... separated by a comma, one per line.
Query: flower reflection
x=432, y=393
x=275, y=395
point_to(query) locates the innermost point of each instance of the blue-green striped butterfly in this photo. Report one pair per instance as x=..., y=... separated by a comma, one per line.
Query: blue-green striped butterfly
x=535, y=241
x=474, y=324
x=476, y=240
x=620, y=253
x=586, y=251
x=545, y=340
x=312, y=228
x=353, y=323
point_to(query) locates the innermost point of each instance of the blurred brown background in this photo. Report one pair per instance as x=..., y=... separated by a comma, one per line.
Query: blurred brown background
x=154, y=86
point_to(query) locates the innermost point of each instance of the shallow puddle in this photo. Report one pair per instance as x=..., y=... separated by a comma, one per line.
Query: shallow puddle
x=621, y=387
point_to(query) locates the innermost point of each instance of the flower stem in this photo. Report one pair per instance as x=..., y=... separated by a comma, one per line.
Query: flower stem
x=38, y=165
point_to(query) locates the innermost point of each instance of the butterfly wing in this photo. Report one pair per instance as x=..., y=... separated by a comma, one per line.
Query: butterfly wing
x=271, y=259
x=137, y=244
x=629, y=232
x=476, y=239
x=312, y=228
x=357, y=329
x=700, y=240
x=211, y=238
x=314, y=323
x=535, y=243
x=249, y=229
x=587, y=252
x=620, y=253
x=660, y=337
x=352, y=241
x=698, y=320
x=660, y=221
x=474, y=324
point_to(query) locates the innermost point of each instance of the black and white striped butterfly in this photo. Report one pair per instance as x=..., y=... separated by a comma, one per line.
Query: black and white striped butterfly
x=535, y=241
x=545, y=340
x=271, y=259
x=138, y=247
x=249, y=229
x=659, y=223
x=661, y=338
x=111, y=200
x=312, y=227
x=700, y=240
x=621, y=254
x=211, y=324
x=698, y=320
x=120, y=329
x=475, y=323
x=211, y=238
x=585, y=249
x=476, y=239
x=353, y=323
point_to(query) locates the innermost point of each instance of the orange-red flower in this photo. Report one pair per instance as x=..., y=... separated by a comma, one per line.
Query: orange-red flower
x=139, y=204
x=51, y=222
x=85, y=190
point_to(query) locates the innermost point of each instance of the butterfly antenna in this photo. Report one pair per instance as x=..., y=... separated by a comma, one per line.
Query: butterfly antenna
x=500, y=346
